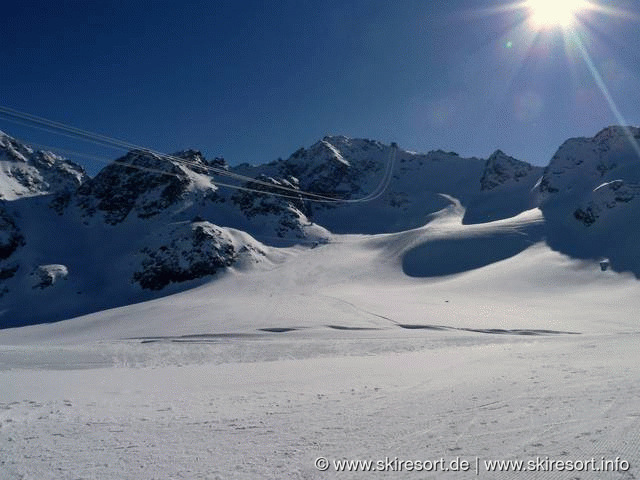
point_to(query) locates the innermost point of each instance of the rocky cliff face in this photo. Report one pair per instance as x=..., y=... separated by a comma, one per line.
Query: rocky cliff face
x=609, y=196
x=11, y=239
x=591, y=177
x=384, y=188
x=501, y=170
x=582, y=164
x=10, y=235
x=143, y=184
x=190, y=251
x=507, y=188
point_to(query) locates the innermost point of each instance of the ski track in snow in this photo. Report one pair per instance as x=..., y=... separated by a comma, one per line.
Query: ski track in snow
x=251, y=408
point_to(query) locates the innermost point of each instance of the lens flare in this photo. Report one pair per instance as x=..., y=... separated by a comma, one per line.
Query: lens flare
x=554, y=13
x=575, y=20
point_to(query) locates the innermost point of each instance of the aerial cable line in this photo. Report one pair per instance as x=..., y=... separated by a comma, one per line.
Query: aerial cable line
x=299, y=194
x=171, y=174
x=68, y=128
x=107, y=141
x=73, y=132
x=177, y=160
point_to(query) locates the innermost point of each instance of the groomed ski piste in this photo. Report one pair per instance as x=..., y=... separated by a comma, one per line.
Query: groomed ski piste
x=448, y=342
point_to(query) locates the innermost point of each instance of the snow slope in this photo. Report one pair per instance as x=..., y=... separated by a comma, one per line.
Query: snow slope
x=499, y=275
x=266, y=412
x=140, y=229
x=336, y=352
x=459, y=339
x=117, y=236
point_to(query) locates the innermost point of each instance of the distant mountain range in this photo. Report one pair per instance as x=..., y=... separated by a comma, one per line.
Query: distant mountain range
x=149, y=225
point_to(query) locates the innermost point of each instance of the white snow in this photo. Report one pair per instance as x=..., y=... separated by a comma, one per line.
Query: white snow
x=337, y=155
x=26, y=173
x=47, y=275
x=10, y=189
x=255, y=375
x=266, y=413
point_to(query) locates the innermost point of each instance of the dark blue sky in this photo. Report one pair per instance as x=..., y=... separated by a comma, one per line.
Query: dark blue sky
x=255, y=80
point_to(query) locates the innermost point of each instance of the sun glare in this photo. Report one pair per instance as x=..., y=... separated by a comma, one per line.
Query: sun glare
x=554, y=13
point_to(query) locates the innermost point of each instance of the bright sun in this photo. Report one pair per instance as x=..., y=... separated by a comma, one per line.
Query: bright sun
x=554, y=13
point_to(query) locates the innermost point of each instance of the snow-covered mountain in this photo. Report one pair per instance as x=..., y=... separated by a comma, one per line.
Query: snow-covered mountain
x=354, y=169
x=589, y=194
x=507, y=187
x=150, y=225
x=25, y=172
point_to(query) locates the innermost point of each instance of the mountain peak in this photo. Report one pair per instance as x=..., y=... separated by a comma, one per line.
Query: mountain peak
x=581, y=164
x=13, y=150
x=336, y=139
x=190, y=155
x=501, y=168
x=140, y=180
x=615, y=131
x=26, y=173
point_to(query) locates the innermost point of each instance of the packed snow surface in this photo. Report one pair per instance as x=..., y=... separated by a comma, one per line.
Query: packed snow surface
x=365, y=348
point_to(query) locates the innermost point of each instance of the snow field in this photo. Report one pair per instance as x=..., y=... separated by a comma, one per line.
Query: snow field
x=254, y=416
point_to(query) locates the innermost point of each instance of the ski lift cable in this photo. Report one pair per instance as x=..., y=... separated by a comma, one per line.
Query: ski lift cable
x=164, y=172
x=73, y=132
x=104, y=140
x=56, y=128
x=165, y=157
x=171, y=174
x=58, y=132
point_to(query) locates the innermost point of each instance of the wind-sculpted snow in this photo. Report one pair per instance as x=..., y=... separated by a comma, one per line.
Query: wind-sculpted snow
x=447, y=246
x=458, y=254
